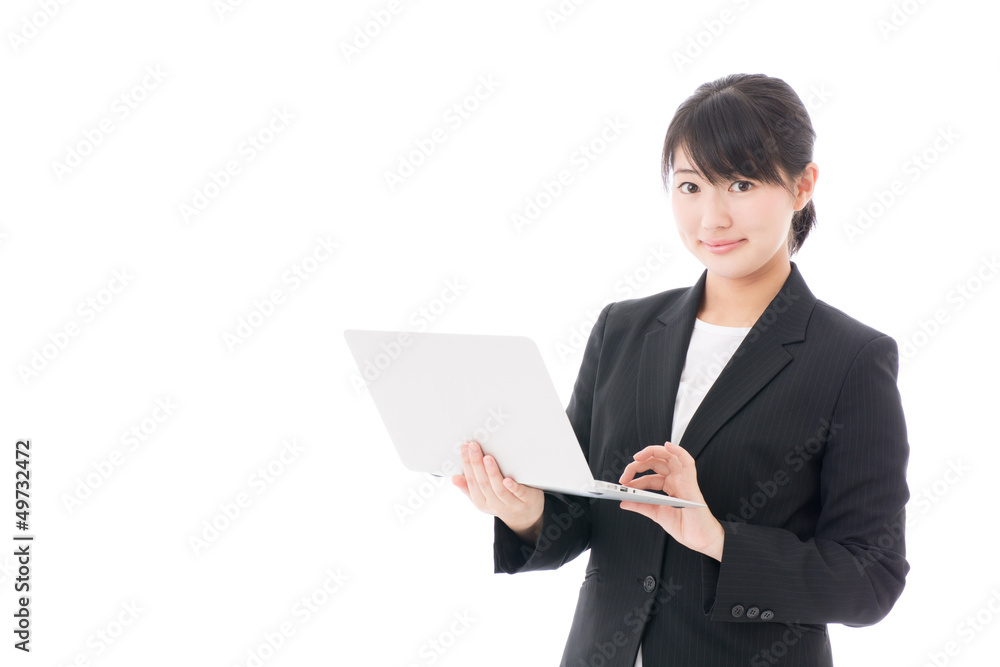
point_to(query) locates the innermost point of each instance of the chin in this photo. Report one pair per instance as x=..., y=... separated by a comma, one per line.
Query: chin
x=731, y=266
x=727, y=270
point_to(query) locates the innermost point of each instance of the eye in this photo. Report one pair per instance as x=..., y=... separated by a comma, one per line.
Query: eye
x=690, y=188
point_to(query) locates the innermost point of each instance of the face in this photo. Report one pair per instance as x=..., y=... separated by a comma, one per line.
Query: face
x=738, y=228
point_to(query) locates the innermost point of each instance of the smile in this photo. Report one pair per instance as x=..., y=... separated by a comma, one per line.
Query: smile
x=723, y=247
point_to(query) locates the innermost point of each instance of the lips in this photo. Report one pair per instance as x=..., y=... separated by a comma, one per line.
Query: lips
x=723, y=245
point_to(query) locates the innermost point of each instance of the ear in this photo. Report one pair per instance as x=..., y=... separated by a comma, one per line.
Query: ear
x=805, y=186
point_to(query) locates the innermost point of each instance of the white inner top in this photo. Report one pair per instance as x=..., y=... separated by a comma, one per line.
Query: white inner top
x=711, y=348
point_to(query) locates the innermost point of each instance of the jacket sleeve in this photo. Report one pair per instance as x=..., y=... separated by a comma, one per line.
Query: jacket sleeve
x=565, y=530
x=852, y=570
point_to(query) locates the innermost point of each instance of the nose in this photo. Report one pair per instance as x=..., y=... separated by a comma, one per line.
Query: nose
x=715, y=213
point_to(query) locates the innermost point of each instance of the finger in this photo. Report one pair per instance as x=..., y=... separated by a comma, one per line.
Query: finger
x=683, y=481
x=657, y=465
x=648, y=482
x=519, y=490
x=475, y=493
x=503, y=494
x=479, y=472
x=666, y=455
x=646, y=452
x=674, y=464
x=644, y=509
x=459, y=481
x=677, y=472
x=681, y=453
x=668, y=472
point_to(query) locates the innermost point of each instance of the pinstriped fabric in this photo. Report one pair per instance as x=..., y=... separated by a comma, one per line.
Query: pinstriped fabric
x=801, y=452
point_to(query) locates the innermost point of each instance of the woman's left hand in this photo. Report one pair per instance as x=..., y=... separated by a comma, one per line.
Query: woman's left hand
x=674, y=473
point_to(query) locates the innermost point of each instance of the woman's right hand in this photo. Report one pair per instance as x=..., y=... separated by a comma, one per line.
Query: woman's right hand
x=517, y=505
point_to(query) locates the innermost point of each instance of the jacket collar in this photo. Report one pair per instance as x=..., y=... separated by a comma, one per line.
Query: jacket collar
x=756, y=361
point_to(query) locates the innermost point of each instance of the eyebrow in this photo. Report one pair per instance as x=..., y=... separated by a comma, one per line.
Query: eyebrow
x=692, y=171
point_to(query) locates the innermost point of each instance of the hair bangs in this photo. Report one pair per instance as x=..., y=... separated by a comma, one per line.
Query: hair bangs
x=724, y=138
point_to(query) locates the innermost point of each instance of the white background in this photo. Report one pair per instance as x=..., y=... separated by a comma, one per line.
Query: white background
x=877, y=99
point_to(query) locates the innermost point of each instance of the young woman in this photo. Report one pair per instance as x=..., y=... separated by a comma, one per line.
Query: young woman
x=744, y=392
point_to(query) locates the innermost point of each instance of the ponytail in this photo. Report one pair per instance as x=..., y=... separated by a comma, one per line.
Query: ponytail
x=802, y=221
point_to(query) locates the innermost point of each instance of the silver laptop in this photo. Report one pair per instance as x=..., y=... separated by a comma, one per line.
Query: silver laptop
x=435, y=391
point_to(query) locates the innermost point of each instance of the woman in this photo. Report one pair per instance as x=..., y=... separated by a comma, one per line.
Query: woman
x=744, y=392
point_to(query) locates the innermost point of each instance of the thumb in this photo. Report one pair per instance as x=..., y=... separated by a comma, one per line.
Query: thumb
x=644, y=509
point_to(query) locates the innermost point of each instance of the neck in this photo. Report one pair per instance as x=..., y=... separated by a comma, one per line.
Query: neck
x=739, y=302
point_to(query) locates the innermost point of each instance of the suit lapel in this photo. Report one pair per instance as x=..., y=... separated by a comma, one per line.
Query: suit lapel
x=757, y=360
x=660, y=364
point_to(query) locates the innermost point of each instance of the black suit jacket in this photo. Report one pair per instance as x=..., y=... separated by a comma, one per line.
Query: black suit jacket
x=801, y=453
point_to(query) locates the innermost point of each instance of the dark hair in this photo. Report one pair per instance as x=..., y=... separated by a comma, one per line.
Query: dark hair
x=747, y=125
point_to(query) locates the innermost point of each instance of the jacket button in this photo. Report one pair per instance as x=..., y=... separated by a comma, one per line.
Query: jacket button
x=649, y=583
x=737, y=611
x=766, y=615
x=752, y=612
